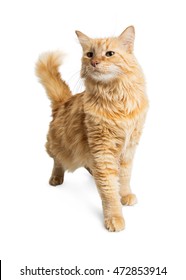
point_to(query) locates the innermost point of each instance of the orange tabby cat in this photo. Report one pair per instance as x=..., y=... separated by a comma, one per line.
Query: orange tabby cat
x=100, y=127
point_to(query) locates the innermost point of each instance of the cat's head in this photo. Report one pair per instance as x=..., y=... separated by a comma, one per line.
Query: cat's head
x=109, y=58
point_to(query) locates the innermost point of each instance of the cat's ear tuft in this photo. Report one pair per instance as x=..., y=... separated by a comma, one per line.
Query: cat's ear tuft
x=127, y=38
x=83, y=39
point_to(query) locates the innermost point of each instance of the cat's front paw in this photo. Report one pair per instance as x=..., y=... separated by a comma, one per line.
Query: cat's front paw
x=115, y=223
x=56, y=180
x=129, y=199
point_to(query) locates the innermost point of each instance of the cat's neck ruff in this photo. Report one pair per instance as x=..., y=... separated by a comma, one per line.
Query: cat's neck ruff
x=116, y=100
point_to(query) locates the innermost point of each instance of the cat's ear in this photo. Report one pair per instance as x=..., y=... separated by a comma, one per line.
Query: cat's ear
x=127, y=38
x=84, y=40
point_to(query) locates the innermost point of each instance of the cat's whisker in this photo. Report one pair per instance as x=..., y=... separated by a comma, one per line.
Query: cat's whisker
x=79, y=86
x=76, y=85
x=73, y=76
x=76, y=82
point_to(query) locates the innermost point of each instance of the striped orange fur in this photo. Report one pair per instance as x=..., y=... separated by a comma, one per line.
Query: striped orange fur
x=100, y=127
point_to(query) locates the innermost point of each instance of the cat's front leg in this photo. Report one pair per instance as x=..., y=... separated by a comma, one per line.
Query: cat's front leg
x=106, y=176
x=104, y=147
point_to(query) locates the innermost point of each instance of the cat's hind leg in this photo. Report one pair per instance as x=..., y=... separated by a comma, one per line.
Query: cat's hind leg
x=127, y=197
x=57, y=176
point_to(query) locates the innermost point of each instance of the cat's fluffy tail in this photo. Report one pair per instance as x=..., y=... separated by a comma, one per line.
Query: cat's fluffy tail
x=47, y=69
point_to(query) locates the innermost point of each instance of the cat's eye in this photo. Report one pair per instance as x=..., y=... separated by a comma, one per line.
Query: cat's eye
x=90, y=54
x=110, y=53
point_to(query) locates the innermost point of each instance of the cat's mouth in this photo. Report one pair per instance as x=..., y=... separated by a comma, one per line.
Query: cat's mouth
x=96, y=69
x=97, y=72
x=101, y=72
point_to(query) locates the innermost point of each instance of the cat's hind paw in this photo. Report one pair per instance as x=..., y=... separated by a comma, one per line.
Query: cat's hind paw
x=129, y=199
x=56, y=180
x=114, y=223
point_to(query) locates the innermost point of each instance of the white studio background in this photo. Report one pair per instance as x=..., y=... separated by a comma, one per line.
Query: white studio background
x=63, y=226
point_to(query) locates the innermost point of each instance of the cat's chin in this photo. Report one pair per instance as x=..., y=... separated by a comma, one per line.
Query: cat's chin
x=103, y=77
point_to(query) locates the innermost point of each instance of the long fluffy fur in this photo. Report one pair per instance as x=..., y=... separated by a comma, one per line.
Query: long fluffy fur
x=47, y=69
x=99, y=128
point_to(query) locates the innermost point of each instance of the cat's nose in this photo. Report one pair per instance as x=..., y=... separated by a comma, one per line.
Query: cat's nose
x=94, y=63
